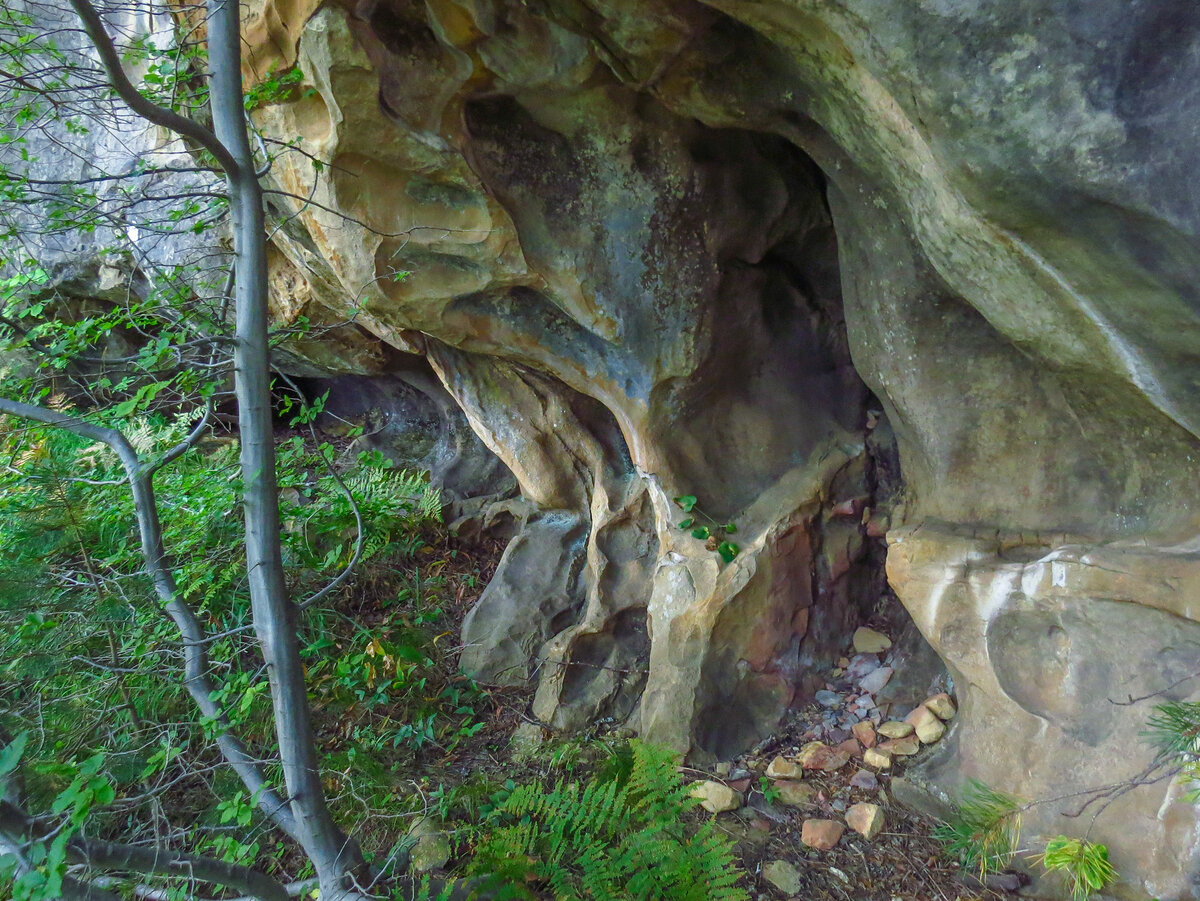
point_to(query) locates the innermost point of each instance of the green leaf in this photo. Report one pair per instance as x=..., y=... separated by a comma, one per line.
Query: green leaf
x=701, y=533
x=730, y=527
x=11, y=755
x=687, y=523
x=728, y=550
x=686, y=502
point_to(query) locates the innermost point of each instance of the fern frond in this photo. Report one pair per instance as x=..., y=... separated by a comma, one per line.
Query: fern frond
x=623, y=837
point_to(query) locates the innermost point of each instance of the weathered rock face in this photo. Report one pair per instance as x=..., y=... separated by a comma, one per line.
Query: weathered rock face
x=672, y=247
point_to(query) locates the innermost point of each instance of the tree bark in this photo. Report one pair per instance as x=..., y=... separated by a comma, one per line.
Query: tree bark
x=332, y=854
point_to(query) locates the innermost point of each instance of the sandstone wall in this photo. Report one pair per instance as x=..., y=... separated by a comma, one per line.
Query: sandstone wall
x=747, y=250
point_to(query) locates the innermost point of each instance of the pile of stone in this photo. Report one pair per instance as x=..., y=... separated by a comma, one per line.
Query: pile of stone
x=855, y=729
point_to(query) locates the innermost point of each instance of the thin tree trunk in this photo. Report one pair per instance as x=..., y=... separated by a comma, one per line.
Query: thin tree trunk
x=332, y=854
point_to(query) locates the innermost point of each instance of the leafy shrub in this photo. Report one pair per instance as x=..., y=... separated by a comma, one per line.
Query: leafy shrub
x=982, y=835
x=1084, y=863
x=614, y=837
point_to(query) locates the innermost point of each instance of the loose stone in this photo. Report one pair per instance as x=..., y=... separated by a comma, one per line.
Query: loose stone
x=877, y=758
x=869, y=641
x=896, y=729
x=927, y=726
x=864, y=779
x=782, y=768
x=821, y=834
x=942, y=706
x=902, y=747
x=715, y=797
x=796, y=794
x=866, y=819
x=819, y=756
x=873, y=683
x=865, y=733
x=783, y=876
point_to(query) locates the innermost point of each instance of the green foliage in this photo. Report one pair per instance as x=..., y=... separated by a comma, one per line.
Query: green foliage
x=40, y=876
x=274, y=88
x=608, y=838
x=714, y=534
x=983, y=834
x=1084, y=863
x=89, y=661
x=1173, y=728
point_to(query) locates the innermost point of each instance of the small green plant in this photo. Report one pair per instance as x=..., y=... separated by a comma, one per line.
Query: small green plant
x=982, y=835
x=1084, y=863
x=1174, y=730
x=608, y=838
x=714, y=534
x=769, y=791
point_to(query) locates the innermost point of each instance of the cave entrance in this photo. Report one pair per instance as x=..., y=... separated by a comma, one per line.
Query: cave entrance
x=781, y=403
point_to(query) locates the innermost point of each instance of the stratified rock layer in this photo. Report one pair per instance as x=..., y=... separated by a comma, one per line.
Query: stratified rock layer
x=665, y=247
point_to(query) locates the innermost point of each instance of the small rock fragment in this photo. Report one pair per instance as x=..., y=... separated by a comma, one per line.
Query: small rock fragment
x=716, y=797
x=901, y=747
x=861, y=665
x=866, y=819
x=850, y=746
x=783, y=876
x=828, y=698
x=927, y=726
x=819, y=756
x=869, y=641
x=796, y=794
x=821, y=834
x=865, y=733
x=942, y=706
x=896, y=729
x=525, y=741
x=782, y=768
x=877, y=758
x=873, y=683
x=864, y=779
x=723, y=768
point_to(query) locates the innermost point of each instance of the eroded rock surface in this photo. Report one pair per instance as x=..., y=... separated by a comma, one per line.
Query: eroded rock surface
x=744, y=250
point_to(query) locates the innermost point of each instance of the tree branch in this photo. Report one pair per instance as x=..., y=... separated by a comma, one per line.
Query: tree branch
x=197, y=680
x=151, y=112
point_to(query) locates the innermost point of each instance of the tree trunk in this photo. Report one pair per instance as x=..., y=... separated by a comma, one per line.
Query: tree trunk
x=332, y=854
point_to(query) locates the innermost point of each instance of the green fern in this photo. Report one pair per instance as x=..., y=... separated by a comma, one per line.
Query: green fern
x=622, y=837
x=984, y=831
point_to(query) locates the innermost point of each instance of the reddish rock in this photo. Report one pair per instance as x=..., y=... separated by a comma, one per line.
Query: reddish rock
x=821, y=834
x=864, y=779
x=865, y=733
x=850, y=746
x=817, y=755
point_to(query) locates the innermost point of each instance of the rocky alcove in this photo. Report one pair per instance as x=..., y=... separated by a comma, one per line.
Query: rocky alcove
x=767, y=254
